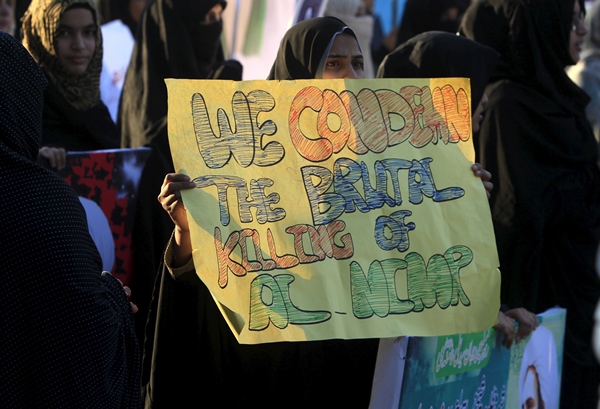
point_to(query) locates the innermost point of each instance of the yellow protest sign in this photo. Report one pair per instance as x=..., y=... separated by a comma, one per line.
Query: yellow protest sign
x=336, y=209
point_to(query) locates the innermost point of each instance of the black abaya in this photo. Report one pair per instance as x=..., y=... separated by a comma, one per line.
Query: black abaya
x=191, y=357
x=66, y=329
x=536, y=141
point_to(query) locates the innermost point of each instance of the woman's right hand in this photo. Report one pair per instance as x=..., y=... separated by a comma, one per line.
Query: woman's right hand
x=507, y=324
x=171, y=201
x=527, y=320
x=170, y=198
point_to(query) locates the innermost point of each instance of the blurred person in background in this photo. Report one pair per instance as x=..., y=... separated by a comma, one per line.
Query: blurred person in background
x=430, y=15
x=586, y=73
x=119, y=24
x=7, y=17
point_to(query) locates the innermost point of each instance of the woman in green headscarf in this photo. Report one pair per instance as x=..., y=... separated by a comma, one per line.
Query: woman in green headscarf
x=64, y=38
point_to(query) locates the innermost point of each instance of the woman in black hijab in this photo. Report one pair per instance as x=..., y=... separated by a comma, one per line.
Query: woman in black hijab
x=305, y=48
x=66, y=328
x=438, y=54
x=190, y=352
x=175, y=39
x=536, y=140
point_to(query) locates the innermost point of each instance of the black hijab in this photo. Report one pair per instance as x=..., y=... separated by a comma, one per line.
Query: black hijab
x=66, y=330
x=304, y=48
x=438, y=54
x=170, y=43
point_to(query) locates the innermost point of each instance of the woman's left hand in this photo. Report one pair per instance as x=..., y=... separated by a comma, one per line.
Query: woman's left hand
x=485, y=177
x=56, y=157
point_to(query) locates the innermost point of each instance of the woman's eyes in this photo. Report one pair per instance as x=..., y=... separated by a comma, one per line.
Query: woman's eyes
x=358, y=65
x=63, y=32
x=211, y=17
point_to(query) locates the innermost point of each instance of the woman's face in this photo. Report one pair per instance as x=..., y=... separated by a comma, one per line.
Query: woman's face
x=578, y=32
x=76, y=40
x=7, y=16
x=478, y=114
x=345, y=60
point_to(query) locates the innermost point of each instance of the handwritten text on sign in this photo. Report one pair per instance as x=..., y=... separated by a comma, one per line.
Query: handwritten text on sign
x=336, y=209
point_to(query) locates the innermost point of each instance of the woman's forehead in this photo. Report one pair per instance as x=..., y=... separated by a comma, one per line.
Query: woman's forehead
x=344, y=44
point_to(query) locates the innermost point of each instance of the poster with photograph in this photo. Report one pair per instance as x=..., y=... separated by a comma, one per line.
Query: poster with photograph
x=476, y=370
x=107, y=182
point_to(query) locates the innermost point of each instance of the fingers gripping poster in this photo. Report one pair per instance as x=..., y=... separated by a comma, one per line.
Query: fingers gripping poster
x=336, y=208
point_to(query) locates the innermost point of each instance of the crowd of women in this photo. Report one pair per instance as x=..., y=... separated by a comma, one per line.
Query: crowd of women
x=68, y=333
